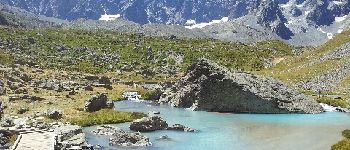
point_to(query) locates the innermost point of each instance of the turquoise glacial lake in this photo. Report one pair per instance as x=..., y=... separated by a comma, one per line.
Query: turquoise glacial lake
x=227, y=131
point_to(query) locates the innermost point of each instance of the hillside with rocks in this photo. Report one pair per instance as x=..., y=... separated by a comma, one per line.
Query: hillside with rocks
x=320, y=71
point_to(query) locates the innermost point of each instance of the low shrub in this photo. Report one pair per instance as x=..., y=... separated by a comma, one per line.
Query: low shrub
x=342, y=145
x=346, y=134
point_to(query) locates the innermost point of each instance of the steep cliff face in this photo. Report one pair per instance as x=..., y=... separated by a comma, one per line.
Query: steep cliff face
x=210, y=87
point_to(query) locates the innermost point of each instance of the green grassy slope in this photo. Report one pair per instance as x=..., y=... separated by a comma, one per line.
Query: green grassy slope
x=44, y=47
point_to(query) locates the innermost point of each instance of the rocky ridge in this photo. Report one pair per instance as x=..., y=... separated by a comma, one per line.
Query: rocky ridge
x=294, y=21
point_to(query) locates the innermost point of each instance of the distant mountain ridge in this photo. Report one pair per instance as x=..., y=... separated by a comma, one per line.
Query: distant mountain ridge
x=299, y=22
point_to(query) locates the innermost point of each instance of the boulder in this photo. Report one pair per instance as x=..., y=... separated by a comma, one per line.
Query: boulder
x=97, y=103
x=164, y=137
x=130, y=140
x=104, y=80
x=210, y=87
x=91, y=77
x=122, y=138
x=344, y=110
x=179, y=127
x=5, y=139
x=7, y=121
x=147, y=124
x=2, y=107
x=89, y=88
x=67, y=136
x=2, y=88
x=53, y=113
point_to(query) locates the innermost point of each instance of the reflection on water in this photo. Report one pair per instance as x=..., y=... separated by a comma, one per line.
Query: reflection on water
x=223, y=131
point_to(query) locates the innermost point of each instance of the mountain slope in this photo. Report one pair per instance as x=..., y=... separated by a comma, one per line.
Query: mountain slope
x=15, y=17
x=325, y=69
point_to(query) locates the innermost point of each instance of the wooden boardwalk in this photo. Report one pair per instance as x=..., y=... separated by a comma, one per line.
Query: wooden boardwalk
x=36, y=140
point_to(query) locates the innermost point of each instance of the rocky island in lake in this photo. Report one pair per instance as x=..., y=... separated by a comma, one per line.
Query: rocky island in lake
x=211, y=87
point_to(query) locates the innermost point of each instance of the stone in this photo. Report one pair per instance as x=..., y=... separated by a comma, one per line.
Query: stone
x=67, y=136
x=2, y=88
x=154, y=112
x=164, y=137
x=21, y=91
x=14, y=85
x=97, y=103
x=5, y=139
x=91, y=77
x=122, y=138
x=2, y=107
x=22, y=110
x=107, y=130
x=14, y=98
x=104, y=80
x=147, y=124
x=208, y=86
x=7, y=121
x=53, y=114
x=89, y=88
x=179, y=127
x=344, y=110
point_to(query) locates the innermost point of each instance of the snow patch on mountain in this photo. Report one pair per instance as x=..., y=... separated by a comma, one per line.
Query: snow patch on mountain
x=340, y=19
x=106, y=17
x=202, y=25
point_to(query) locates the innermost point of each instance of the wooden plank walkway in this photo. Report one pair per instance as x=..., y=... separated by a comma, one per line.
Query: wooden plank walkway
x=36, y=140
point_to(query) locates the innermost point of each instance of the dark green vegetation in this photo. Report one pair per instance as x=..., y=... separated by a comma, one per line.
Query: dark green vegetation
x=104, y=51
x=346, y=134
x=344, y=144
x=104, y=116
x=6, y=58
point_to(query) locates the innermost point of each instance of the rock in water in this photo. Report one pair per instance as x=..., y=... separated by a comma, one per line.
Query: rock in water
x=97, y=103
x=68, y=136
x=147, y=124
x=180, y=127
x=210, y=87
x=122, y=138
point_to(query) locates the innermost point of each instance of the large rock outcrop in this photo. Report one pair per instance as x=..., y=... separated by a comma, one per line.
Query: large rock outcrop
x=210, y=87
x=97, y=103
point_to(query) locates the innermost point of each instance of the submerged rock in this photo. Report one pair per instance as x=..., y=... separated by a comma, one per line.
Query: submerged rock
x=122, y=138
x=147, y=124
x=97, y=103
x=210, y=87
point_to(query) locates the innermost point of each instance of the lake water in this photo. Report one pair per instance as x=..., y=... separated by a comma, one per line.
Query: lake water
x=226, y=131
